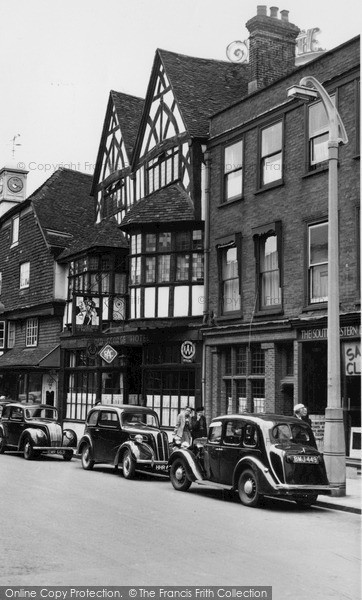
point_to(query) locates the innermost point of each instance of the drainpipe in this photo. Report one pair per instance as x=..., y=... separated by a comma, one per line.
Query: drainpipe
x=207, y=158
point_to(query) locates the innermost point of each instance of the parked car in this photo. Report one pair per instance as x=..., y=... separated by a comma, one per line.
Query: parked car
x=254, y=455
x=34, y=429
x=124, y=436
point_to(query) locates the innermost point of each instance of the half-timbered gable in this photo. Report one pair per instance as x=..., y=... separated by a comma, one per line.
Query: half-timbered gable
x=112, y=185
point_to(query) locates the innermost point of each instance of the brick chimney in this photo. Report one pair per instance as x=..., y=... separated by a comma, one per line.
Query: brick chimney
x=271, y=46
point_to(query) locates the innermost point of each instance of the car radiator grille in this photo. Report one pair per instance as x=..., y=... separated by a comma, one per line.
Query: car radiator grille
x=163, y=451
x=55, y=434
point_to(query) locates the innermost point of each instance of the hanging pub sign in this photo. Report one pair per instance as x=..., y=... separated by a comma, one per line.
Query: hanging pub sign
x=108, y=353
x=352, y=358
x=188, y=351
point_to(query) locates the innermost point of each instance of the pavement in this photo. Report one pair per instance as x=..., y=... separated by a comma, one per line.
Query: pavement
x=351, y=502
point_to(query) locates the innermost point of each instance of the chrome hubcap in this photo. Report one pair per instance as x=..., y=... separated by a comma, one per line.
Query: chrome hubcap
x=248, y=487
x=179, y=474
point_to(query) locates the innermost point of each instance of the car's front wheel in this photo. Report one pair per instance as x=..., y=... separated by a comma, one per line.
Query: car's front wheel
x=178, y=476
x=248, y=488
x=68, y=455
x=128, y=465
x=306, y=501
x=86, y=458
x=29, y=452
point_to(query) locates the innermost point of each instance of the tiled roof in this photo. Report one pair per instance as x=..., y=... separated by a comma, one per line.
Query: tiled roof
x=106, y=234
x=25, y=357
x=167, y=205
x=129, y=111
x=203, y=86
x=63, y=206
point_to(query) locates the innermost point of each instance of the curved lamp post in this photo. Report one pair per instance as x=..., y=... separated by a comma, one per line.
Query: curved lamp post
x=334, y=441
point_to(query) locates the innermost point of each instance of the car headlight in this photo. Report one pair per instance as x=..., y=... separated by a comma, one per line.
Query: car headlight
x=138, y=438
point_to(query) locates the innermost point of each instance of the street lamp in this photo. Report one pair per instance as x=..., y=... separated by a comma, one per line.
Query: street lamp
x=334, y=442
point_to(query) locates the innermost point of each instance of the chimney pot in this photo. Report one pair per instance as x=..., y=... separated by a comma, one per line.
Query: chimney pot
x=274, y=12
x=284, y=15
x=261, y=10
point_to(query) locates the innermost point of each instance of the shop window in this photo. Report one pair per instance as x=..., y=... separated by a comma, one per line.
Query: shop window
x=258, y=395
x=271, y=167
x=169, y=392
x=318, y=133
x=31, y=333
x=257, y=361
x=233, y=171
x=24, y=275
x=318, y=263
x=30, y=387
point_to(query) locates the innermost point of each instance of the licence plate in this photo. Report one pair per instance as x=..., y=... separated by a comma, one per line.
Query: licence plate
x=161, y=467
x=306, y=459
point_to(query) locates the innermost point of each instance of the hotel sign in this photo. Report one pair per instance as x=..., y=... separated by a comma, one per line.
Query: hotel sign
x=322, y=333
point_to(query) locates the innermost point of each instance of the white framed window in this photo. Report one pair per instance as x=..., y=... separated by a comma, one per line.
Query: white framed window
x=15, y=230
x=318, y=132
x=233, y=171
x=24, y=275
x=318, y=263
x=11, y=334
x=2, y=334
x=230, y=280
x=271, y=153
x=270, y=290
x=31, y=335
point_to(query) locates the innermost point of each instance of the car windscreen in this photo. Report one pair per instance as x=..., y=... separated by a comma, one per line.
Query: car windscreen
x=292, y=432
x=140, y=419
x=41, y=412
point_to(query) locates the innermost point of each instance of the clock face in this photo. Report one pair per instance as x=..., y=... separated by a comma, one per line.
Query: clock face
x=15, y=184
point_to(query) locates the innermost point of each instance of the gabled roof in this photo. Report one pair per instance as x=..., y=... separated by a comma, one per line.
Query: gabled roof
x=203, y=86
x=167, y=205
x=106, y=234
x=129, y=111
x=63, y=206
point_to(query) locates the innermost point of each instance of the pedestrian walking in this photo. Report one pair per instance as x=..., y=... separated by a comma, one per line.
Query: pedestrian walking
x=199, y=428
x=301, y=412
x=182, y=431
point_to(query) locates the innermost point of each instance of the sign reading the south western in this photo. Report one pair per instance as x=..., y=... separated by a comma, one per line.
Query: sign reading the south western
x=188, y=351
x=352, y=358
x=108, y=353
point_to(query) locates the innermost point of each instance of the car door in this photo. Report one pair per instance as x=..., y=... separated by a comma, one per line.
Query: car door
x=107, y=436
x=15, y=426
x=212, y=451
x=230, y=452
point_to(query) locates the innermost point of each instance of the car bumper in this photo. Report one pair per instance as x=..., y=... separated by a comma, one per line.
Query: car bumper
x=54, y=449
x=154, y=465
x=293, y=490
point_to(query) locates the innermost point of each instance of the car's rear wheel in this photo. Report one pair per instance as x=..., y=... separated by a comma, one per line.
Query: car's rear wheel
x=128, y=465
x=306, y=501
x=68, y=455
x=178, y=476
x=86, y=458
x=28, y=450
x=248, y=488
x=2, y=444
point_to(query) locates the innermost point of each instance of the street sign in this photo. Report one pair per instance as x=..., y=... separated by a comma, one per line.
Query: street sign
x=108, y=353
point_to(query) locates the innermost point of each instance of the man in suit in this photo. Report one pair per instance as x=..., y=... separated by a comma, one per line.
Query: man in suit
x=183, y=426
x=199, y=428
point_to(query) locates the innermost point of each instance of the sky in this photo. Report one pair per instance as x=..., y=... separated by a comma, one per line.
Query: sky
x=60, y=58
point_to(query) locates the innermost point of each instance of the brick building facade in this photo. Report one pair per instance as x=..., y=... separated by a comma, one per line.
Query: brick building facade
x=266, y=347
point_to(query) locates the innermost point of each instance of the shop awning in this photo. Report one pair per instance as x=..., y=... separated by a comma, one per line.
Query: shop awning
x=46, y=357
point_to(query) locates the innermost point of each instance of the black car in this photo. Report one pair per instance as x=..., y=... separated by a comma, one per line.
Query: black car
x=34, y=429
x=255, y=455
x=127, y=436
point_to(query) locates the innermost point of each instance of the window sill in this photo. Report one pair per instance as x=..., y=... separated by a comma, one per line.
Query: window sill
x=269, y=311
x=237, y=315
x=316, y=306
x=231, y=202
x=269, y=186
x=312, y=172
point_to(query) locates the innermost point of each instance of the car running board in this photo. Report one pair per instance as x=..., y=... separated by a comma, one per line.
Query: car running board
x=219, y=486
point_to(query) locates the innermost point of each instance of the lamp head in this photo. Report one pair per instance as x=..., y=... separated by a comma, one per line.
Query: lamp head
x=302, y=92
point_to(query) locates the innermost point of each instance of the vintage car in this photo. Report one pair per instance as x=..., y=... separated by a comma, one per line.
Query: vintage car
x=124, y=436
x=33, y=429
x=255, y=455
